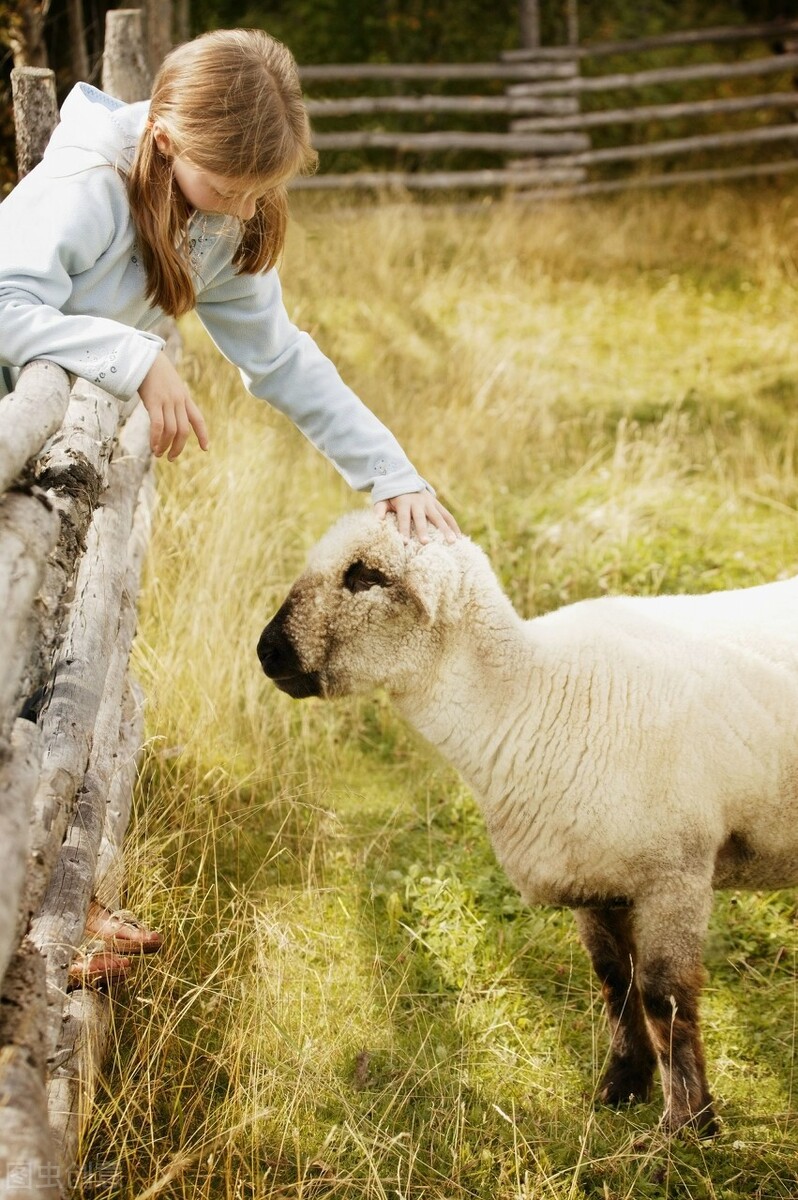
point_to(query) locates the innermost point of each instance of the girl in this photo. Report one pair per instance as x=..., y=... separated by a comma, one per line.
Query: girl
x=141, y=210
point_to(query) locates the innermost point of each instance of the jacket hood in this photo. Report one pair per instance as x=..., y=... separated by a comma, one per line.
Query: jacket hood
x=97, y=126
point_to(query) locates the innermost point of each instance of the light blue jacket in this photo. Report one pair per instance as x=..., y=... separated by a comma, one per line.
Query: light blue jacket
x=72, y=289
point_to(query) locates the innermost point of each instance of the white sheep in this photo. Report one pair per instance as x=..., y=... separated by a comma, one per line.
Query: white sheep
x=630, y=754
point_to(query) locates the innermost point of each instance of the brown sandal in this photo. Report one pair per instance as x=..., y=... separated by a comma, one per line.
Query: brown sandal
x=121, y=931
x=98, y=969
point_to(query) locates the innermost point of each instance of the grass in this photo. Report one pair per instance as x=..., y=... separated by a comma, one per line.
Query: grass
x=352, y=1002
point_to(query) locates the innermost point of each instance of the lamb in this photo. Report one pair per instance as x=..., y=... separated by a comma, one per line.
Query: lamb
x=630, y=754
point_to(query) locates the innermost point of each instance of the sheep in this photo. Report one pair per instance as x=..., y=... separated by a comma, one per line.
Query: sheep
x=629, y=754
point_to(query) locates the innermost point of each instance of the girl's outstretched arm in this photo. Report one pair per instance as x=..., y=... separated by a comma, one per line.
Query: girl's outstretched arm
x=247, y=320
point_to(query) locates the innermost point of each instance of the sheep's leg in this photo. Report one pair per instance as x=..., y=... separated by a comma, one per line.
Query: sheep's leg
x=670, y=928
x=609, y=940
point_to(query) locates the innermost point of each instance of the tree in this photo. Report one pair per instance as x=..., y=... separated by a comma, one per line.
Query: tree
x=24, y=32
x=529, y=24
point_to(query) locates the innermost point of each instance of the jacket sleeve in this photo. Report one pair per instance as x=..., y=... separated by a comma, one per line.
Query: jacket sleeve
x=52, y=228
x=246, y=317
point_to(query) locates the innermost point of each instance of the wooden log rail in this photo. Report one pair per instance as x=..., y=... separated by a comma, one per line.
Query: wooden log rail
x=717, y=34
x=76, y=493
x=776, y=64
x=471, y=105
x=70, y=557
x=554, y=90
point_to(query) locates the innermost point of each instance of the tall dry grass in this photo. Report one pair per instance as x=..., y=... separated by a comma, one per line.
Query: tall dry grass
x=351, y=1001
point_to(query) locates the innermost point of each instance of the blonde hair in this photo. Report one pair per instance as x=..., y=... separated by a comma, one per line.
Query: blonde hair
x=231, y=103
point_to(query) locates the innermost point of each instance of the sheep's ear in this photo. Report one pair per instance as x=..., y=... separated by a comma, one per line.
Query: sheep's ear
x=431, y=583
x=426, y=606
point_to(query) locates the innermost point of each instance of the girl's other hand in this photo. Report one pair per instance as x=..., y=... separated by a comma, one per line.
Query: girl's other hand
x=419, y=509
x=172, y=412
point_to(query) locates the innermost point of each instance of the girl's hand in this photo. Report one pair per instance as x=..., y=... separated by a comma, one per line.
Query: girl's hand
x=172, y=412
x=419, y=509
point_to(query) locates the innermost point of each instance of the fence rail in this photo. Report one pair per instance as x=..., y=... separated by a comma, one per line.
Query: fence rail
x=76, y=491
x=719, y=34
x=550, y=102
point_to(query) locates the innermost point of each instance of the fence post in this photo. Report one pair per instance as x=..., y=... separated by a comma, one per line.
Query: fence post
x=73, y=528
x=126, y=73
x=35, y=113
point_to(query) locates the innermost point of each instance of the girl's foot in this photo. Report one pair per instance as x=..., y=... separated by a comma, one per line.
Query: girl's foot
x=121, y=931
x=98, y=969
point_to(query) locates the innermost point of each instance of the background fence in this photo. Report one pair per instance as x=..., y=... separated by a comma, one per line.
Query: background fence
x=76, y=490
x=537, y=124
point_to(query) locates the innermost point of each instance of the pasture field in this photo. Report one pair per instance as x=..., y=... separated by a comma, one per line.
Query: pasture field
x=352, y=1002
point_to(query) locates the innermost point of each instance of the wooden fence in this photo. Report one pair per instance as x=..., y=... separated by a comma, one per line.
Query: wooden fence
x=545, y=149
x=76, y=491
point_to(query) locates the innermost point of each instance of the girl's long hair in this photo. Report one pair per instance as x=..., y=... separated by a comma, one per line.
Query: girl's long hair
x=231, y=103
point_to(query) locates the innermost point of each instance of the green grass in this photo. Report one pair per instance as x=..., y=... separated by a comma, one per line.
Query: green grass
x=352, y=1001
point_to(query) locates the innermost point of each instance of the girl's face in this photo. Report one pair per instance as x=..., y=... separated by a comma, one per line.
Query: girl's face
x=217, y=193
x=208, y=192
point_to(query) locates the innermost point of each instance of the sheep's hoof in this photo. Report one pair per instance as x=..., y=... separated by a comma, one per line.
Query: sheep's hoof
x=624, y=1083
x=703, y=1124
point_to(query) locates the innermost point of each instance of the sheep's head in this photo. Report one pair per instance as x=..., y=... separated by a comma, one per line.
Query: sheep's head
x=368, y=611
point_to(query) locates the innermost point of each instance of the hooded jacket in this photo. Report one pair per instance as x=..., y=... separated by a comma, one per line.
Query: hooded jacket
x=73, y=290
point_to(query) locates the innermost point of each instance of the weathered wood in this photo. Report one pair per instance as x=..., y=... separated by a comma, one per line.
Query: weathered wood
x=18, y=779
x=108, y=878
x=69, y=715
x=82, y=1036
x=29, y=416
x=110, y=863
x=429, y=180
x=182, y=21
x=77, y=456
x=549, y=171
x=529, y=24
x=572, y=22
x=77, y=40
x=425, y=143
x=28, y=533
x=85, y=1027
x=369, y=105
x=342, y=71
x=126, y=73
x=35, y=113
x=710, y=141
x=672, y=179
x=775, y=65
x=72, y=467
x=29, y=1163
x=765, y=31
x=158, y=27
x=57, y=929
x=657, y=112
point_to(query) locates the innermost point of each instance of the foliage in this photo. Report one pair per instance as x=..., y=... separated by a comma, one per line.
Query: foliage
x=477, y=30
x=351, y=1001
x=320, y=31
x=460, y=30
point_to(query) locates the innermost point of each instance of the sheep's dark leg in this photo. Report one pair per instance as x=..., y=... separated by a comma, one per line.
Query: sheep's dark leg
x=609, y=940
x=670, y=928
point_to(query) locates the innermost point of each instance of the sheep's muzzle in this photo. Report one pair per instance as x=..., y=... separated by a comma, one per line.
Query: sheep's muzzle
x=280, y=661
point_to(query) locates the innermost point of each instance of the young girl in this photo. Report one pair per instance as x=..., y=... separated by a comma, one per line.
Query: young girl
x=179, y=203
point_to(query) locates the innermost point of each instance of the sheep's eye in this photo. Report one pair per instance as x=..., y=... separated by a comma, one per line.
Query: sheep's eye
x=359, y=578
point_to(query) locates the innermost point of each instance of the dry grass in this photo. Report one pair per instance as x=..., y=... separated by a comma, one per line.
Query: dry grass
x=351, y=1001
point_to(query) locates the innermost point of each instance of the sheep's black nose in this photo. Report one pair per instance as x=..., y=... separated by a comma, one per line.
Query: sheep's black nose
x=280, y=662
